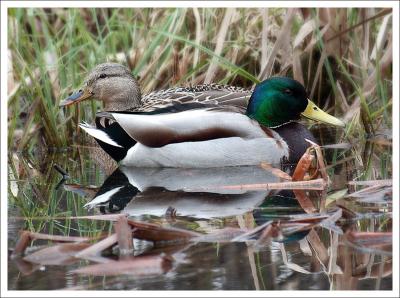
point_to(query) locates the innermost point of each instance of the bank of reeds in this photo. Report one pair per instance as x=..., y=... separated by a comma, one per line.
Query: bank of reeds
x=342, y=55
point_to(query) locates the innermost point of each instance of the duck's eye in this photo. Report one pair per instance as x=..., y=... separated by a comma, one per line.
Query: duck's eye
x=287, y=91
x=102, y=75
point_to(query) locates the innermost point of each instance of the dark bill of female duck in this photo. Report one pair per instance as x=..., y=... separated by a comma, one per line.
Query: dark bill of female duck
x=111, y=83
x=76, y=97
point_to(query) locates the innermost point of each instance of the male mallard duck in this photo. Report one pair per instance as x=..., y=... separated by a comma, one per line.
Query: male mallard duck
x=201, y=126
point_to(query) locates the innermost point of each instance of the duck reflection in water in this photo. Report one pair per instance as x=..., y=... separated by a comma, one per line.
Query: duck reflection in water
x=196, y=193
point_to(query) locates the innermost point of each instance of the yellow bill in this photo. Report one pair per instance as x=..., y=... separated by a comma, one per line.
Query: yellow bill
x=76, y=97
x=315, y=113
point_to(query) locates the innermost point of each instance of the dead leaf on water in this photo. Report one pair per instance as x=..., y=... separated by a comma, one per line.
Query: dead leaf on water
x=371, y=242
x=153, y=232
x=98, y=247
x=124, y=236
x=61, y=254
x=277, y=172
x=134, y=266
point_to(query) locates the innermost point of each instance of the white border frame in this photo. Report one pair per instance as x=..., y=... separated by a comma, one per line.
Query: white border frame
x=4, y=127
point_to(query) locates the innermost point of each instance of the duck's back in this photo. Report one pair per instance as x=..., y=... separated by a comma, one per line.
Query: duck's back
x=213, y=94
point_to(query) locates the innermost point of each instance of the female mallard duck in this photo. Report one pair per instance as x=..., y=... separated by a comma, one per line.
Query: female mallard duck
x=114, y=85
x=201, y=126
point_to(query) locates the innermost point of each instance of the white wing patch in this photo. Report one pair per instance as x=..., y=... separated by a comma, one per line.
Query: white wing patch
x=98, y=134
x=188, y=123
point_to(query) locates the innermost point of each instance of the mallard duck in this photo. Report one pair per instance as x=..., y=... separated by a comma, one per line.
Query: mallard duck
x=114, y=85
x=200, y=126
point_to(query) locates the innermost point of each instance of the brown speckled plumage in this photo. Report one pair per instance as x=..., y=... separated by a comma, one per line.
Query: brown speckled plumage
x=116, y=87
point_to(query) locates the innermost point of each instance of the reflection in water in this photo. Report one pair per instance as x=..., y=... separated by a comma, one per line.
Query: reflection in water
x=317, y=258
x=198, y=193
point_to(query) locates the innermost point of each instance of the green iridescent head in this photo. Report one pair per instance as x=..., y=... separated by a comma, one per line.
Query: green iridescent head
x=276, y=101
x=279, y=100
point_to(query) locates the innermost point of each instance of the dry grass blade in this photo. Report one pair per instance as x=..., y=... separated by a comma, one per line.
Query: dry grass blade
x=305, y=247
x=371, y=242
x=124, y=235
x=27, y=132
x=318, y=247
x=371, y=190
x=337, y=146
x=26, y=268
x=50, y=58
x=137, y=267
x=311, y=44
x=269, y=232
x=382, y=13
x=221, y=235
x=291, y=265
x=333, y=267
x=253, y=267
x=285, y=31
x=381, y=38
x=10, y=73
x=61, y=254
x=27, y=83
x=106, y=217
x=27, y=237
x=385, y=63
x=86, y=191
x=307, y=218
x=297, y=70
x=322, y=171
x=198, y=35
x=321, y=61
x=275, y=171
x=370, y=237
x=344, y=105
x=333, y=197
x=384, y=182
x=220, y=44
x=316, y=184
x=378, y=270
x=321, y=162
x=329, y=223
x=152, y=232
x=22, y=243
x=58, y=238
x=291, y=228
x=305, y=201
x=252, y=233
x=98, y=247
x=306, y=29
x=264, y=38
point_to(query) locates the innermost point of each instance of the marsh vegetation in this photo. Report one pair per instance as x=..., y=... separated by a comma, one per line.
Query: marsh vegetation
x=343, y=56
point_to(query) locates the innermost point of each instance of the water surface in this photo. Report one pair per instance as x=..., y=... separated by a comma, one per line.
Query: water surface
x=40, y=200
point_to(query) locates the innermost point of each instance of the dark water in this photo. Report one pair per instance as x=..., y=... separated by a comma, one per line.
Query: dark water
x=41, y=201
